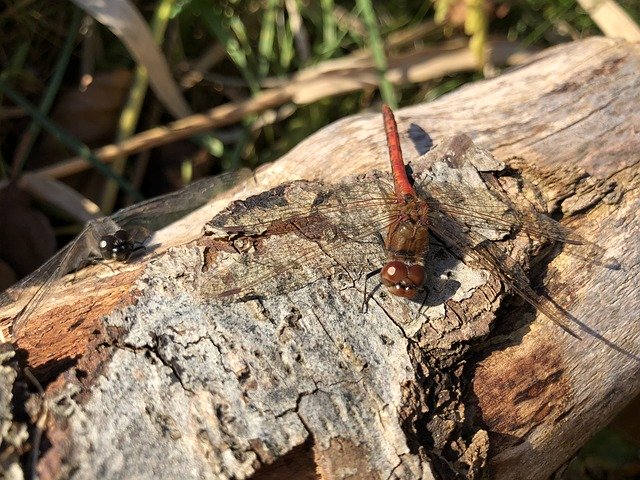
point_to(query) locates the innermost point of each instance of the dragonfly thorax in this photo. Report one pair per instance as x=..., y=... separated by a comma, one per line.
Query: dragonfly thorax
x=402, y=279
x=118, y=246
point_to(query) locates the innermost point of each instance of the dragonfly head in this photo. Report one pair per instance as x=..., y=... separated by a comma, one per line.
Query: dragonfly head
x=402, y=279
x=118, y=246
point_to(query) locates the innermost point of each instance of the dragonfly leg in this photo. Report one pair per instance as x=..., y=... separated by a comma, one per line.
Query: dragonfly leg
x=425, y=290
x=366, y=297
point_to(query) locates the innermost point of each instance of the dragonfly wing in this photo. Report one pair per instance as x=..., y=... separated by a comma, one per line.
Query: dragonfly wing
x=490, y=256
x=480, y=207
x=72, y=256
x=159, y=212
x=322, y=229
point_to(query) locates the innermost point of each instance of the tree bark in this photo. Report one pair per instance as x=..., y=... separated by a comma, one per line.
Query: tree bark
x=148, y=373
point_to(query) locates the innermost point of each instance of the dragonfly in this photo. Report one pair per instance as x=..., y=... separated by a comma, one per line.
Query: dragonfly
x=116, y=237
x=451, y=202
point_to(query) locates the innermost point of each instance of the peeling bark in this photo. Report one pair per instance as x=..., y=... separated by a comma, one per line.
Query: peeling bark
x=157, y=377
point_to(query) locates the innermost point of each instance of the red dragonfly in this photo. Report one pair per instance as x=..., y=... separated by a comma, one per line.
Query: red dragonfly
x=451, y=202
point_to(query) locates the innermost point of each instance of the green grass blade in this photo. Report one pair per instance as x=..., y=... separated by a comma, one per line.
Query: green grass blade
x=377, y=50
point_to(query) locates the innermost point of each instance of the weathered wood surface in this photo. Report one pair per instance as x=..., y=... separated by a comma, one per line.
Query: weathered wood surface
x=174, y=384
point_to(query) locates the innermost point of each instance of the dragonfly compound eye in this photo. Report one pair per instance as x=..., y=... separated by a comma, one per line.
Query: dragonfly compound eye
x=122, y=236
x=117, y=246
x=393, y=273
x=415, y=273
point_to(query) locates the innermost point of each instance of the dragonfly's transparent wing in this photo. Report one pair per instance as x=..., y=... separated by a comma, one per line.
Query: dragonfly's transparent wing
x=158, y=212
x=325, y=227
x=67, y=259
x=472, y=204
x=490, y=256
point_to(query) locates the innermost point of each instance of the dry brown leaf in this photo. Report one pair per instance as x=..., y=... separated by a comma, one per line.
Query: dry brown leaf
x=126, y=22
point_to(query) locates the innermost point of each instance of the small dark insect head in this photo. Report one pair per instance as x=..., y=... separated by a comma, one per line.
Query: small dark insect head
x=118, y=246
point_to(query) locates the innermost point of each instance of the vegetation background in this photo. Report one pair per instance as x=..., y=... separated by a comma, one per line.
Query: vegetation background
x=264, y=74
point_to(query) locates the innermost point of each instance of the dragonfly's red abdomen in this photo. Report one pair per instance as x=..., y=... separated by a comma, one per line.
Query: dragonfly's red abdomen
x=403, y=187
